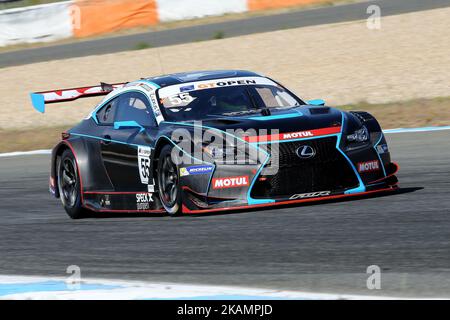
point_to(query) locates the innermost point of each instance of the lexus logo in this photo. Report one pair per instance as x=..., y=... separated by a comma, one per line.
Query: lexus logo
x=305, y=152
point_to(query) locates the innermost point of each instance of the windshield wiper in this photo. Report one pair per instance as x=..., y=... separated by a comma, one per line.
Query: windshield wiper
x=264, y=111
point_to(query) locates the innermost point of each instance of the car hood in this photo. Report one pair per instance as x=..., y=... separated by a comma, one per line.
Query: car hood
x=302, y=118
x=295, y=119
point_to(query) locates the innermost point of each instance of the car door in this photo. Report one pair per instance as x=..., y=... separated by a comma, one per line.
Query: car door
x=127, y=146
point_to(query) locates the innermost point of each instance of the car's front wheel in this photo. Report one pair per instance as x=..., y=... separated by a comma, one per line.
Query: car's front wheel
x=168, y=182
x=69, y=185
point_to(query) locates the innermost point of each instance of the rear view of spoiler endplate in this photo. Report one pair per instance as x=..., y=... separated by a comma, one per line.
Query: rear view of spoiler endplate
x=39, y=99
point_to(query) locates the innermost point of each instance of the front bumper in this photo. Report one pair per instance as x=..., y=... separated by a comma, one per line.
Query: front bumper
x=195, y=203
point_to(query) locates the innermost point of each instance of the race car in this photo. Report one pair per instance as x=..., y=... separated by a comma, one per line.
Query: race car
x=211, y=141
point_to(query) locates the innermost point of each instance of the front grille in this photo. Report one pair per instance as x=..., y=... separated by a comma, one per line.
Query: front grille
x=328, y=170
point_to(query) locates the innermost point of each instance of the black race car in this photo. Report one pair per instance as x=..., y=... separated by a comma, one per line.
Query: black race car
x=211, y=141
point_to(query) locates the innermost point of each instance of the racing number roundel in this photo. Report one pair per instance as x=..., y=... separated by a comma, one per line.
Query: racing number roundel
x=144, y=163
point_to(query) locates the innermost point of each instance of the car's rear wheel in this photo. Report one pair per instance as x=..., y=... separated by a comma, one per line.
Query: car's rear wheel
x=169, y=182
x=69, y=186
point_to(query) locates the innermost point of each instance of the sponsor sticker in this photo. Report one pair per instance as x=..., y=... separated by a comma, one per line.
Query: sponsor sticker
x=143, y=201
x=296, y=135
x=231, y=82
x=310, y=195
x=196, y=170
x=230, y=182
x=293, y=135
x=144, y=163
x=368, y=166
x=157, y=112
x=187, y=88
x=382, y=148
x=207, y=84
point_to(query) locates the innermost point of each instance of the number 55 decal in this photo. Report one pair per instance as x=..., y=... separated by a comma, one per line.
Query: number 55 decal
x=182, y=99
x=144, y=163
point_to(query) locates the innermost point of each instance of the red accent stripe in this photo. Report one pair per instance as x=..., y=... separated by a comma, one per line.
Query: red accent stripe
x=124, y=211
x=67, y=143
x=115, y=192
x=397, y=168
x=187, y=210
x=293, y=135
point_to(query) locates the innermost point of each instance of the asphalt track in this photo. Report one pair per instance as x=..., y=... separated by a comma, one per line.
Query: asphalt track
x=325, y=15
x=322, y=248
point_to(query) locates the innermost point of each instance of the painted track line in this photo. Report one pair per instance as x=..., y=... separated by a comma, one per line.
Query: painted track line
x=387, y=131
x=45, y=288
x=420, y=129
x=25, y=153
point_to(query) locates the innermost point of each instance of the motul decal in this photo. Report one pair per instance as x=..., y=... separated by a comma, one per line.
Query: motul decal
x=368, y=166
x=230, y=182
x=293, y=135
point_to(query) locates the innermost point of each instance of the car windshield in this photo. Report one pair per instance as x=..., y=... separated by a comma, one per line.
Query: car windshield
x=223, y=97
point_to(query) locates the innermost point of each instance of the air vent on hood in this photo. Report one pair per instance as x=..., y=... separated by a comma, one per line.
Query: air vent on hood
x=221, y=121
x=316, y=110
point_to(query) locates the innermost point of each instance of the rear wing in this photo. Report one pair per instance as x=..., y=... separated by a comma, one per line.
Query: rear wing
x=40, y=99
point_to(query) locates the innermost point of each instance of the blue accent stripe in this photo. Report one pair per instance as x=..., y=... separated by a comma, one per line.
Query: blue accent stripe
x=99, y=138
x=128, y=125
x=140, y=145
x=278, y=116
x=361, y=187
x=94, y=112
x=420, y=129
x=378, y=155
x=250, y=200
x=198, y=160
x=316, y=102
x=48, y=286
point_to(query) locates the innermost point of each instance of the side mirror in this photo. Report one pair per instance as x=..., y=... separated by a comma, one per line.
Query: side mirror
x=316, y=102
x=127, y=125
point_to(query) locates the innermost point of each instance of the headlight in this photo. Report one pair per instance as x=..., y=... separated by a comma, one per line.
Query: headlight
x=361, y=135
x=230, y=154
x=219, y=153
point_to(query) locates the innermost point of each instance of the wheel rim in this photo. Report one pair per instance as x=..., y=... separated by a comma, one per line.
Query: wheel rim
x=68, y=183
x=168, y=181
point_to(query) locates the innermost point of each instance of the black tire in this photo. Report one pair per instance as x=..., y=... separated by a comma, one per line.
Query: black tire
x=69, y=186
x=169, y=182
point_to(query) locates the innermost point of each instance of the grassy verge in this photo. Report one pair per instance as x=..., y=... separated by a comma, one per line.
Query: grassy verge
x=30, y=139
x=408, y=114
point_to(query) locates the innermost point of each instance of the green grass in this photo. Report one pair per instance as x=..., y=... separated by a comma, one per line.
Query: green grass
x=218, y=35
x=142, y=45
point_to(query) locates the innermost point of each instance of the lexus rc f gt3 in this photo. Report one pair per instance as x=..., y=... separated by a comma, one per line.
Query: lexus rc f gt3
x=211, y=141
